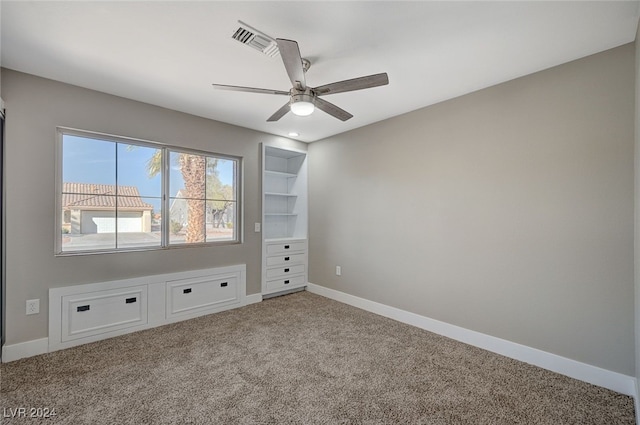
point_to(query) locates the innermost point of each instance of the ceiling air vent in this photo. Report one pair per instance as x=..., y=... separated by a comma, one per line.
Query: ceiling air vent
x=256, y=39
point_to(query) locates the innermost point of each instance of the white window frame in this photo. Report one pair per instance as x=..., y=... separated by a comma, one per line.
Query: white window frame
x=238, y=224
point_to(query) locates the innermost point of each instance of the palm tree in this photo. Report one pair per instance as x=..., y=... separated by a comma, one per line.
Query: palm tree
x=192, y=168
x=196, y=170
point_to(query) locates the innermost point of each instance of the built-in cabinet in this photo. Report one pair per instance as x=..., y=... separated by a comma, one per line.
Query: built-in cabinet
x=284, y=218
x=85, y=313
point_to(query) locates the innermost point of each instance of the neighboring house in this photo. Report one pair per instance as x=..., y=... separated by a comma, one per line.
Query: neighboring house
x=178, y=212
x=178, y=208
x=91, y=208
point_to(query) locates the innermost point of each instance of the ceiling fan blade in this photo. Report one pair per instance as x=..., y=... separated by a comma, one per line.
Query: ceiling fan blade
x=249, y=89
x=279, y=113
x=290, y=54
x=332, y=109
x=353, y=84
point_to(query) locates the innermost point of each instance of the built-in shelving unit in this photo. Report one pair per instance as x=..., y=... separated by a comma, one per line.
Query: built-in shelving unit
x=284, y=218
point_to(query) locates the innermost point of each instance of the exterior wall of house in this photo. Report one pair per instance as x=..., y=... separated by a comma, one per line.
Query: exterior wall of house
x=36, y=107
x=517, y=211
x=76, y=222
x=146, y=221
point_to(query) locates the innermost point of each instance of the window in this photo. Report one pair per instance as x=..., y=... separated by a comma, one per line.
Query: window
x=201, y=197
x=120, y=194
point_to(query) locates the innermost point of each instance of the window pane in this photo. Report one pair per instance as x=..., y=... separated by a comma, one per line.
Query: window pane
x=88, y=163
x=221, y=193
x=140, y=167
x=88, y=194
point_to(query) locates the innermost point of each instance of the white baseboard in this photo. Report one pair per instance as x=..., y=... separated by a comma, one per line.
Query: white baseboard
x=253, y=298
x=584, y=372
x=24, y=349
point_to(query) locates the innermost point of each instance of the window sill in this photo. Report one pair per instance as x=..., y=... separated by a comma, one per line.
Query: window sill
x=146, y=249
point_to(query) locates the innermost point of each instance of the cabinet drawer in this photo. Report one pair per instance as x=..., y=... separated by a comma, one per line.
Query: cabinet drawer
x=279, y=260
x=285, y=247
x=96, y=313
x=286, y=282
x=201, y=293
x=285, y=271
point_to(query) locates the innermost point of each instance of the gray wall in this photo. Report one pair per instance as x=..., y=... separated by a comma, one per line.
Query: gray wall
x=508, y=211
x=35, y=106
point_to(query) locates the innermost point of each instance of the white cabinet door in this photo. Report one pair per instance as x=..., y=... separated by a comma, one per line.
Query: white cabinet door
x=188, y=295
x=95, y=313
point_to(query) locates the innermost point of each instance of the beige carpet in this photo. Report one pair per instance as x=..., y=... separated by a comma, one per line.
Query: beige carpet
x=297, y=359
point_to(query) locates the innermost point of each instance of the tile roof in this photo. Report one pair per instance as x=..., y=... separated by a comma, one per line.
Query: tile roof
x=89, y=195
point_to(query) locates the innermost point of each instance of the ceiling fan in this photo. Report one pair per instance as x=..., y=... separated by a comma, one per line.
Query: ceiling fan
x=303, y=99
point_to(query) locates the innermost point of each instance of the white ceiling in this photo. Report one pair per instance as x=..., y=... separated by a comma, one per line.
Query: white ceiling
x=169, y=53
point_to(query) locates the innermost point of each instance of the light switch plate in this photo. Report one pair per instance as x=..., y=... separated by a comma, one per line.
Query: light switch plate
x=256, y=227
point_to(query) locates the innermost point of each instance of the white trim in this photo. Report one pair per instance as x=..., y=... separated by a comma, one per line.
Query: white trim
x=253, y=298
x=24, y=349
x=584, y=372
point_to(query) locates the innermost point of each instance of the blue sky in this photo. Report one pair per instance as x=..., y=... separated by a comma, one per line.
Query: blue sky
x=87, y=160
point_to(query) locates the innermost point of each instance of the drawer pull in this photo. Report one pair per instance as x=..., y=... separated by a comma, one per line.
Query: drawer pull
x=286, y=258
x=286, y=247
x=186, y=291
x=131, y=300
x=83, y=308
x=224, y=284
x=286, y=281
x=286, y=270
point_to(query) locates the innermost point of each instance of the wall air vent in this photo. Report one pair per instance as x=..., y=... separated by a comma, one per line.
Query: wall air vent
x=256, y=40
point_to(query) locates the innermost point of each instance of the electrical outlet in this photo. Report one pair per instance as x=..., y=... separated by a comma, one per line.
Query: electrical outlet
x=338, y=271
x=33, y=306
x=256, y=227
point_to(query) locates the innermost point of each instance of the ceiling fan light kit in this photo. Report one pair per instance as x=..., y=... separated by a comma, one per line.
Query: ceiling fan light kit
x=302, y=105
x=304, y=100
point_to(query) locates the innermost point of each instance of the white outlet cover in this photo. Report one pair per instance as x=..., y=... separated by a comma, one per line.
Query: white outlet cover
x=33, y=306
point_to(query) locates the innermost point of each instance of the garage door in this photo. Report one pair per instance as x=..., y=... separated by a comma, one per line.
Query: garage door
x=104, y=222
x=130, y=222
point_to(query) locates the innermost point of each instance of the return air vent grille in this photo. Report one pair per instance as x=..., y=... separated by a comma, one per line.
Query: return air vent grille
x=256, y=40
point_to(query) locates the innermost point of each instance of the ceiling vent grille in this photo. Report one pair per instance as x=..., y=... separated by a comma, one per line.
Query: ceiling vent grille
x=256, y=40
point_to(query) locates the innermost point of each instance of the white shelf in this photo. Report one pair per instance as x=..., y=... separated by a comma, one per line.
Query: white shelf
x=289, y=195
x=280, y=174
x=284, y=216
x=282, y=239
x=284, y=153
